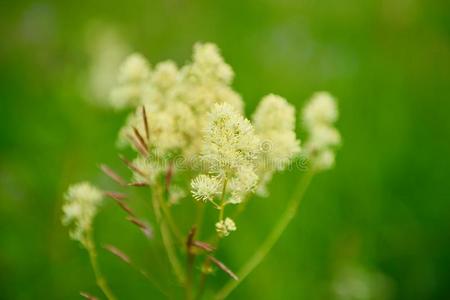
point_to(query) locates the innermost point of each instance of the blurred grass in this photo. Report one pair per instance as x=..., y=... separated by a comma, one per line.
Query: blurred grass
x=384, y=207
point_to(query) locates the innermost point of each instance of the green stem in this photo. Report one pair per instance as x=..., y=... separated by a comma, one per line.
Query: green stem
x=101, y=281
x=222, y=200
x=166, y=236
x=273, y=237
x=190, y=274
x=173, y=226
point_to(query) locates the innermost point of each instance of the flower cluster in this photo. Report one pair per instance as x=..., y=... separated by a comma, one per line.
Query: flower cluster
x=132, y=79
x=177, y=100
x=319, y=115
x=274, y=121
x=80, y=207
x=224, y=227
x=193, y=113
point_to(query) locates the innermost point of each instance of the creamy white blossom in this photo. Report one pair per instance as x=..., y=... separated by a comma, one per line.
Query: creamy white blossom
x=165, y=75
x=229, y=141
x=319, y=116
x=209, y=65
x=224, y=227
x=321, y=109
x=242, y=183
x=205, y=188
x=79, y=209
x=274, y=113
x=192, y=112
x=274, y=121
x=132, y=82
x=135, y=68
x=324, y=160
x=323, y=136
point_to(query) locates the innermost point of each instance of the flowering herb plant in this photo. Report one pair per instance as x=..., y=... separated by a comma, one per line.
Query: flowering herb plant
x=193, y=143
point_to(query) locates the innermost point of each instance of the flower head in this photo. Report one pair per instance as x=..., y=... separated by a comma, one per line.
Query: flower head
x=209, y=64
x=165, y=75
x=319, y=116
x=274, y=122
x=205, y=188
x=135, y=68
x=229, y=140
x=244, y=182
x=80, y=207
x=320, y=110
x=132, y=81
x=224, y=227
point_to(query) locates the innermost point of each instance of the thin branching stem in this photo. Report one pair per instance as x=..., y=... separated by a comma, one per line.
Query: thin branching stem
x=101, y=281
x=271, y=239
x=190, y=264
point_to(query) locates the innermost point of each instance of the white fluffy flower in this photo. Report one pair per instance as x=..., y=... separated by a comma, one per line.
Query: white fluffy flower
x=274, y=121
x=133, y=78
x=321, y=109
x=135, y=68
x=324, y=160
x=322, y=137
x=224, y=227
x=80, y=207
x=229, y=140
x=242, y=183
x=205, y=188
x=319, y=116
x=177, y=101
x=274, y=113
x=208, y=63
x=165, y=75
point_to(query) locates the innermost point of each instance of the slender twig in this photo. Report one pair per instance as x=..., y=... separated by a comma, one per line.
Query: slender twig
x=138, y=184
x=190, y=263
x=115, y=195
x=169, y=174
x=131, y=166
x=143, y=226
x=139, y=137
x=271, y=239
x=138, y=144
x=144, y=116
x=101, y=281
x=113, y=175
x=223, y=267
x=126, y=259
x=204, y=246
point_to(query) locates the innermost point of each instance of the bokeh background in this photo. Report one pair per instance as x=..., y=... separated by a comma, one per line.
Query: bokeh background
x=375, y=227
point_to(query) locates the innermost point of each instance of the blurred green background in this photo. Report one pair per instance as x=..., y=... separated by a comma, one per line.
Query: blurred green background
x=375, y=227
